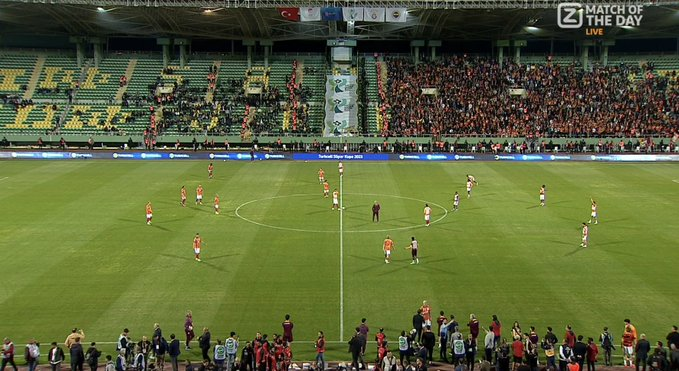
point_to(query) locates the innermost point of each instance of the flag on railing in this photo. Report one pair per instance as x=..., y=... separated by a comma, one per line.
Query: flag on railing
x=311, y=14
x=373, y=14
x=396, y=15
x=331, y=14
x=291, y=14
x=353, y=13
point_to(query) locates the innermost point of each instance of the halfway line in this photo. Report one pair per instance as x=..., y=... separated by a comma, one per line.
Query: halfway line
x=341, y=250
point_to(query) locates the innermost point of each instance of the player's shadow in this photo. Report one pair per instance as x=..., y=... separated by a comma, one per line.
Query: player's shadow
x=616, y=220
x=222, y=256
x=576, y=251
x=135, y=221
x=532, y=207
x=203, y=209
x=160, y=227
x=177, y=257
x=560, y=242
x=174, y=220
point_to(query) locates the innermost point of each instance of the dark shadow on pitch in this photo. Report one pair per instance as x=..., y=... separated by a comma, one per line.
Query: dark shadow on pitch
x=580, y=248
x=207, y=263
x=561, y=242
x=161, y=227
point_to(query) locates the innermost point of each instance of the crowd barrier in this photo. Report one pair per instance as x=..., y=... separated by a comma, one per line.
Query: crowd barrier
x=375, y=157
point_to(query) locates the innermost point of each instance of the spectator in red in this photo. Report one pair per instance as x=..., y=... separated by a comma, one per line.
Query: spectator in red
x=592, y=354
x=517, y=352
x=570, y=337
x=8, y=354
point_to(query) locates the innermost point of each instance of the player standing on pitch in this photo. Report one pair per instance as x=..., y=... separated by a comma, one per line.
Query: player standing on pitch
x=376, y=211
x=456, y=201
x=197, y=242
x=210, y=171
x=470, y=185
x=149, y=213
x=326, y=188
x=542, y=195
x=413, y=247
x=594, y=216
x=335, y=199
x=340, y=166
x=387, y=246
x=427, y=214
x=216, y=204
x=199, y=195
x=585, y=235
x=183, y=193
x=321, y=175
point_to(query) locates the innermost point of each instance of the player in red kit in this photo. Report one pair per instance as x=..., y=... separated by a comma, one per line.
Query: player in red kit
x=326, y=189
x=217, y=204
x=426, y=312
x=149, y=213
x=210, y=171
x=199, y=195
x=197, y=243
x=321, y=175
x=183, y=193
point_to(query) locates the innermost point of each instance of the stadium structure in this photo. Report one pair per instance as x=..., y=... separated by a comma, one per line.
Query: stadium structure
x=165, y=72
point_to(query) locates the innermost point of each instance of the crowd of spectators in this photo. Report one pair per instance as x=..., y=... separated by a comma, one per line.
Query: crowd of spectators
x=466, y=344
x=297, y=103
x=473, y=98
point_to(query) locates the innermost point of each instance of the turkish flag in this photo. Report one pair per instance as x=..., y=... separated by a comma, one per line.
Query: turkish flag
x=291, y=14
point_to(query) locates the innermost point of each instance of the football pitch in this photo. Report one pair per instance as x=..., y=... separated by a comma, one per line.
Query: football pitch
x=76, y=251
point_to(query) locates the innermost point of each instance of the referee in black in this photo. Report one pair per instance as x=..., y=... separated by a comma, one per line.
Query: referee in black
x=376, y=212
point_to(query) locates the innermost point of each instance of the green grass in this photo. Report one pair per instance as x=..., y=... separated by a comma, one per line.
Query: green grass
x=76, y=252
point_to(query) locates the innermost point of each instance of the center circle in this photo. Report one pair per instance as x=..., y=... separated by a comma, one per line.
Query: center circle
x=350, y=210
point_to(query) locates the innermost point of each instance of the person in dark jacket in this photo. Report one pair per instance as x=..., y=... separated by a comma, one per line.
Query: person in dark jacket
x=174, y=352
x=355, y=349
x=93, y=355
x=641, y=351
x=77, y=355
x=246, y=357
x=418, y=322
x=55, y=356
x=204, y=342
x=580, y=351
x=429, y=341
x=470, y=352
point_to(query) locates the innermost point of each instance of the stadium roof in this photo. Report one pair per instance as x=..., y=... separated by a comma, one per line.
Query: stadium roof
x=262, y=19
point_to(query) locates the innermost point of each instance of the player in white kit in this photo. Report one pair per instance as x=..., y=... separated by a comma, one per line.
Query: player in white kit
x=456, y=201
x=427, y=214
x=469, y=188
x=594, y=216
x=340, y=167
x=585, y=235
x=542, y=195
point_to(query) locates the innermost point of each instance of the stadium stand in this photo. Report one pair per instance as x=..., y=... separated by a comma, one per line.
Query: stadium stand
x=633, y=95
x=475, y=95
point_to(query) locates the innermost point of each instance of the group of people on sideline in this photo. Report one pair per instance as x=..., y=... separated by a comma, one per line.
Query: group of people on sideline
x=413, y=350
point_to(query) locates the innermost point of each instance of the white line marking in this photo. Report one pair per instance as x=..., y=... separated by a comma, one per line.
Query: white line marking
x=237, y=213
x=341, y=247
x=674, y=180
x=1, y=179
